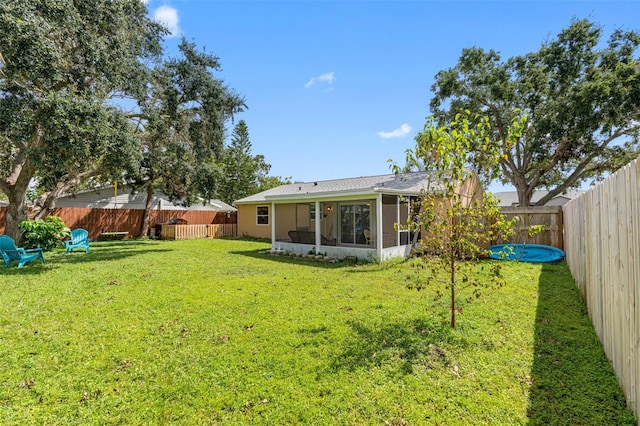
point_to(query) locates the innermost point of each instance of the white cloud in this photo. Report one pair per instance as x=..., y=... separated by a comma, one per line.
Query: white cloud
x=168, y=16
x=401, y=131
x=327, y=77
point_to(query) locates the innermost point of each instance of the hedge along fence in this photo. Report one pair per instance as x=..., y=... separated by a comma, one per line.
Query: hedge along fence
x=549, y=216
x=603, y=253
x=97, y=221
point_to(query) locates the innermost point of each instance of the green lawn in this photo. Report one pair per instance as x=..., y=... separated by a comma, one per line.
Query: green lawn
x=214, y=332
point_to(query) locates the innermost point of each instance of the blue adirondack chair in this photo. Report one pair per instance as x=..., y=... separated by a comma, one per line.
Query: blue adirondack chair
x=79, y=239
x=12, y=253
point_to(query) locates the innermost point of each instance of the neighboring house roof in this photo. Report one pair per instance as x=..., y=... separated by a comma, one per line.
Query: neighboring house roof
x=402, y=183
x=510, y=198
x=105, y=198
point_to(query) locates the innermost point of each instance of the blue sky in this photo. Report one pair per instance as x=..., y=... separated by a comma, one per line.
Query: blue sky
x=334, y=88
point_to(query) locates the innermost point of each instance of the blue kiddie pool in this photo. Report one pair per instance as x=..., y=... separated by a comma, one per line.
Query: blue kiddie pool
x=536, y=253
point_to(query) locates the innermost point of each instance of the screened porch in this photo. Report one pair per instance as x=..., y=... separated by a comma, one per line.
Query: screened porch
x=365, y=228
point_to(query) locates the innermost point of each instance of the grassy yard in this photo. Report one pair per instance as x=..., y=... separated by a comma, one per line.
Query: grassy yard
x=214, y=332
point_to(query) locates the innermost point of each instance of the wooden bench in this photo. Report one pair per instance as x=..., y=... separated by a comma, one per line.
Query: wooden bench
x=113, y=235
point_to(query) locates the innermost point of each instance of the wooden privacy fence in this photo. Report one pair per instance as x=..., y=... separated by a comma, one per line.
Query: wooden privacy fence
x=129, y=221
x=603, y=252
x=550, y=217
x=184, y=232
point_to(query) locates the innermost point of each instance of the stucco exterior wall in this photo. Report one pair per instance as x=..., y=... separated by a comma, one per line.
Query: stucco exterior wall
x=247, y=221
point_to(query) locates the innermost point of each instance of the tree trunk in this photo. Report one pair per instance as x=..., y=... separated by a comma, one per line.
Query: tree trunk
x=16, y=213
x=144, y=228
x=15, y=188
x=525, y=192
x=452, y=265
x=43, y=205
x=46, y=202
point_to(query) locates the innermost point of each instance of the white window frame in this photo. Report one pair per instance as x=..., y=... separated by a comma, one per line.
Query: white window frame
x=312, y=213
x=258, y=215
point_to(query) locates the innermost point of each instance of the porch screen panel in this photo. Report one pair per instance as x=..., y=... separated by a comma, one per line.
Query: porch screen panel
x=389, y=219
x=404, y=215
x=285, y=218
x=347, y=224
x=328, y=220
x=302, y=218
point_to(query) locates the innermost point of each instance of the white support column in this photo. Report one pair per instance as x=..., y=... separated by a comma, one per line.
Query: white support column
x=398, y=220
x=317, y=227
x=379, y=226
x=273, y=224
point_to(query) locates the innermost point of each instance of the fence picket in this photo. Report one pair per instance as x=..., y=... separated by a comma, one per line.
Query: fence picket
x=97, y=221
x=602, y=231
x=549, y=216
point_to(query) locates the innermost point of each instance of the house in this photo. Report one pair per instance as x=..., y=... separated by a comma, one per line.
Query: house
x=510, y=198
x=124, y=197
x=343, y=217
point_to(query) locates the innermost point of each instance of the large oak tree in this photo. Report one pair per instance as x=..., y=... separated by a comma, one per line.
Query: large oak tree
x=581, y=97
x=61, y=63
x=181, y=125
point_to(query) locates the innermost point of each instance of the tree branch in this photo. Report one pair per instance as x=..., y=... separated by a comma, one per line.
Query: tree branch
x=582, y=168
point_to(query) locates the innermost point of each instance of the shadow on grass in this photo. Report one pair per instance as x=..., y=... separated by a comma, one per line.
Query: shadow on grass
x=34, y=267
x=259, y=254
x=348, y=266
x=105, y=251
x=572, y=380
x=400, y=346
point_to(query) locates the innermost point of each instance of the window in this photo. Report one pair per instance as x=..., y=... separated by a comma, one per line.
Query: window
x=312, y=212
x=262, y=215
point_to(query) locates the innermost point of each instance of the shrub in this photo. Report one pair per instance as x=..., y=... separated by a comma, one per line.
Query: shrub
x=45, y=234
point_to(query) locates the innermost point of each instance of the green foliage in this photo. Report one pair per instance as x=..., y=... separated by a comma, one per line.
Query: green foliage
x=581, y=96
x=61, y=65
x=457, y=225
x=243, y=171
x=268, y=182
x=123, y=336
x=46, y=234
x=182, y=117
x=534, y=230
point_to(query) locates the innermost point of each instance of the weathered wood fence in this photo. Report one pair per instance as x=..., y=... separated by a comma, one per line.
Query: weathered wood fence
x=98, y=221
x=550, y=217
x=184, y=232
x=602, y=244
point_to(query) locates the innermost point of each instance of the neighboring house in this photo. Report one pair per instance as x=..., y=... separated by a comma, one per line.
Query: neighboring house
x=125, y=198
x=510, y=198
x=344, y=217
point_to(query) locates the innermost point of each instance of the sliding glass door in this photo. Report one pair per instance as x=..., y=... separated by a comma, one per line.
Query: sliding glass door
x=354, y=220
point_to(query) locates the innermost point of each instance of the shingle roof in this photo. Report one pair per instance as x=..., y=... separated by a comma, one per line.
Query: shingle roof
x=402, y=183
x=221, y=206
x=510, y=198
x=106, y=197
